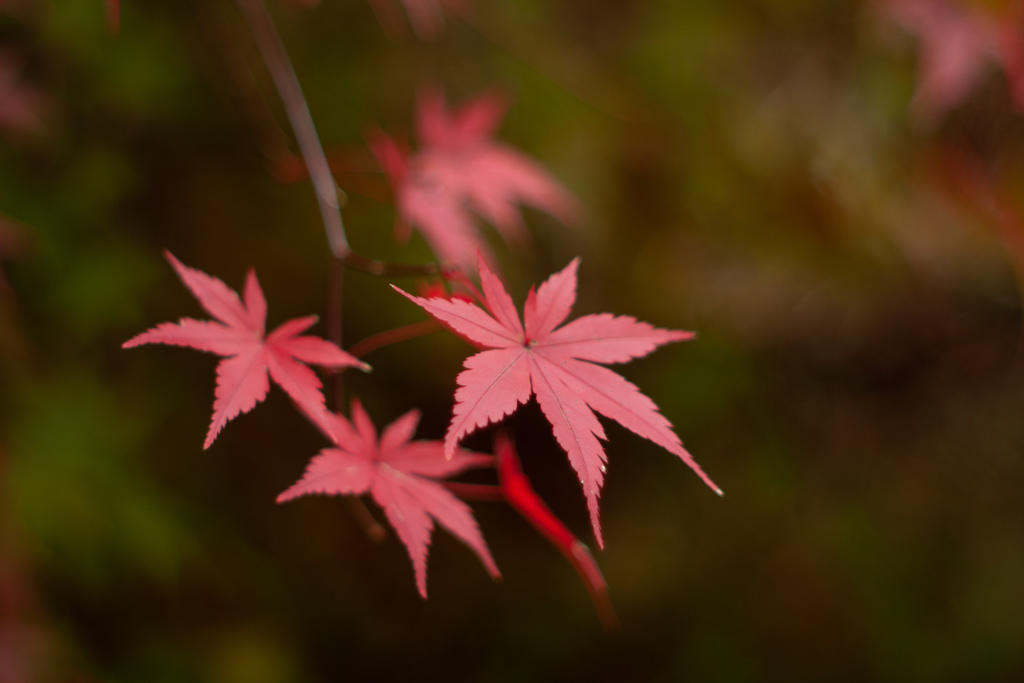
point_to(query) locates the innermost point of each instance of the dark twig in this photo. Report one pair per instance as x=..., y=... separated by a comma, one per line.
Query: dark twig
x=283, y=74
x=388, y=337
x=335, y=291
x=287, y=83
x=374, y=267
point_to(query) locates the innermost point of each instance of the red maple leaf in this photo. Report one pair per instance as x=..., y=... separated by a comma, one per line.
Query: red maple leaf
x=559, y=367
x=400, y=474
x=461, y=169
x=250, y=354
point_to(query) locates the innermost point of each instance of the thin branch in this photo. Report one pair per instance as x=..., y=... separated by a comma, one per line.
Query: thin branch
x=486, y=492
x=283, y=74
x=335, y=291
x=374, y=267
x=388, y=337
x=287, y=83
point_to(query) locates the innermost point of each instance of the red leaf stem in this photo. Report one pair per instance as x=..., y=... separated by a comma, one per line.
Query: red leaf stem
x=388, y=337
x=521, y=496
x=483, y=492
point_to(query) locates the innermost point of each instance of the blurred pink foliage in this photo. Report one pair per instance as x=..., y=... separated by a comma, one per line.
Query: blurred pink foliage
x=958, y=42
x=459, y=169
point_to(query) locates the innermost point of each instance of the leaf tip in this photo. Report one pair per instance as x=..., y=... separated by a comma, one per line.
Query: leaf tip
x=173, y=260
x=449, y=448
x=595, y=522
x=404, y=293
x=421, y=582
x=211, y=436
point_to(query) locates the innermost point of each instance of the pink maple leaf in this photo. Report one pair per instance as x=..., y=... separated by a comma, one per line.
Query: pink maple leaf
x=958, y=42
x=559, y=367
x=249, y=353
x=401, y=476
x=461, y=169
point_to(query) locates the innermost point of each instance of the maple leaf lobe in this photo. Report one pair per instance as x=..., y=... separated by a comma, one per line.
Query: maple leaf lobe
x=460, y=170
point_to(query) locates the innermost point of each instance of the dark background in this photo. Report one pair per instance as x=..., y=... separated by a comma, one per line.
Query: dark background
x=750, y=171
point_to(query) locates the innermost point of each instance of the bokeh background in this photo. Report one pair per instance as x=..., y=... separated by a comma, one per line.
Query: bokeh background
x=830, y=200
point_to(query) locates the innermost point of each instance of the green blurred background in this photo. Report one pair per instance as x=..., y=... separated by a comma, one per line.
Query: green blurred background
x=750, y=171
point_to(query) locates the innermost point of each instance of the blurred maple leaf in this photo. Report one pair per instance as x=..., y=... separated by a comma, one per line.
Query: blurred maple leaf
x=559, y=367
x=401, y=476
x=958, y=42
x=250, y=354
x=459, y=169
